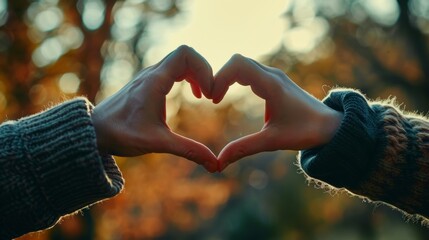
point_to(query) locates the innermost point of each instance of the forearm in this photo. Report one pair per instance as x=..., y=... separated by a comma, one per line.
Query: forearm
x=378, y=153
x=50, y=167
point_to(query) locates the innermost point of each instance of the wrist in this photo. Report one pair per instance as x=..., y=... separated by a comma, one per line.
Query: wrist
x=329, y=125
x=96, y=122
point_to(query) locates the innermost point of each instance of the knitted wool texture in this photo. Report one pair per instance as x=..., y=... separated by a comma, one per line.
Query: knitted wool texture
x=378, y=153
x=50, y=167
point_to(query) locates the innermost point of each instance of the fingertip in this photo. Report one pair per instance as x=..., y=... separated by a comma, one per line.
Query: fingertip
x=208, y=95
x=219, y=94
x=217, y=100
x=207, y=88
x=224, y=159
x=196, y=91
x=211, y=167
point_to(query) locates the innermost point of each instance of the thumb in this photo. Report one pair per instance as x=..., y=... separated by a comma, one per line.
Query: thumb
x=245, y=146
x=192, y=150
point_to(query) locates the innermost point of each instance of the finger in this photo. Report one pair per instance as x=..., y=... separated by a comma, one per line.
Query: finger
x=245, y=146
x=196, y=90
x=186, y=63
x=243, y=71
x=192, y=150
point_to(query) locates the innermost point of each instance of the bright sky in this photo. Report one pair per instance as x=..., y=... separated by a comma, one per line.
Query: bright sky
x=219, y=28
x=215, y=28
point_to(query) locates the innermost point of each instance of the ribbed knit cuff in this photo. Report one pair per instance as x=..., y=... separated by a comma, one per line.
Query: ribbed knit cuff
x=60, y=144
x=346, y=159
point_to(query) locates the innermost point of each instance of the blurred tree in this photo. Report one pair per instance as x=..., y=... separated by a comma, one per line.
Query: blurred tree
x=380, y=47
x=51, y=49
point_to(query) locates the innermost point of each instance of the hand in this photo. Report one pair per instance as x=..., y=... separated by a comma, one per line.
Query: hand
x=132, y=121
x=294, y=119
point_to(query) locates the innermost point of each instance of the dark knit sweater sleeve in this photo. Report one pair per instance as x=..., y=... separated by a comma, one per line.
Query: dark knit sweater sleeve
x=50, y=167
x=378, y=153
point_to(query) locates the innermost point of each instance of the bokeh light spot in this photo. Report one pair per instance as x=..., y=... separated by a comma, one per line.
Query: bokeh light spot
x=115, y=75
x=3, y=12
x=305, y=37
x=71, y=36
x=69, y=83
x=420, y=8
x=384, y=12
x=93, y=14
x=127, y=17
x=48, y=52
x=48, y=19
x=258, y=179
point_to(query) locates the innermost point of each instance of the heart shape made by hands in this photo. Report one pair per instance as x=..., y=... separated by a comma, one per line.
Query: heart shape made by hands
x=294, y=119
x=132, y=122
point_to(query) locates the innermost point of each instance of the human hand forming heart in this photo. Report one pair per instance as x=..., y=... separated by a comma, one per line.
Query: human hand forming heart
x=132, y=121
x=294, y=120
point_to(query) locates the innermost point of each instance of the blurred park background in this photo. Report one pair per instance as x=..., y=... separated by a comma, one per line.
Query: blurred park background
x=51, y=50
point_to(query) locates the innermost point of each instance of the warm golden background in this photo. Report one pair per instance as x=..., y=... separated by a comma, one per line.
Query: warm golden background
x=51, y=50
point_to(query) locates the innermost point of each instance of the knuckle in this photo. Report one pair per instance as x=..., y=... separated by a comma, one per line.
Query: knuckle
x=237, y=58
x=277, y=72
x=155, y=80
x=190, y=154
x=183, y=49
x=198, y=67
x=241, y=151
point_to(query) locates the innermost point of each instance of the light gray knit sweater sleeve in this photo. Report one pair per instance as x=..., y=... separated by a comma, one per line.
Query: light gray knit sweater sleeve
x=50, y=167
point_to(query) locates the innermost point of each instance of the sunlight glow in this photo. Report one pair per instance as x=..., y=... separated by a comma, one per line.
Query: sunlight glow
x=305, y=37
x=304, y=10
x=218, y=29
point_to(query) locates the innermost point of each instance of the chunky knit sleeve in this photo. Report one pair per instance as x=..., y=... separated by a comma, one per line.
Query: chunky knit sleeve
x=378, y=153
x=50, y=167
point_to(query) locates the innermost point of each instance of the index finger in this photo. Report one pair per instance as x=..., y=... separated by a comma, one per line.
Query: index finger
x=186, y=63
x=244, y=71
